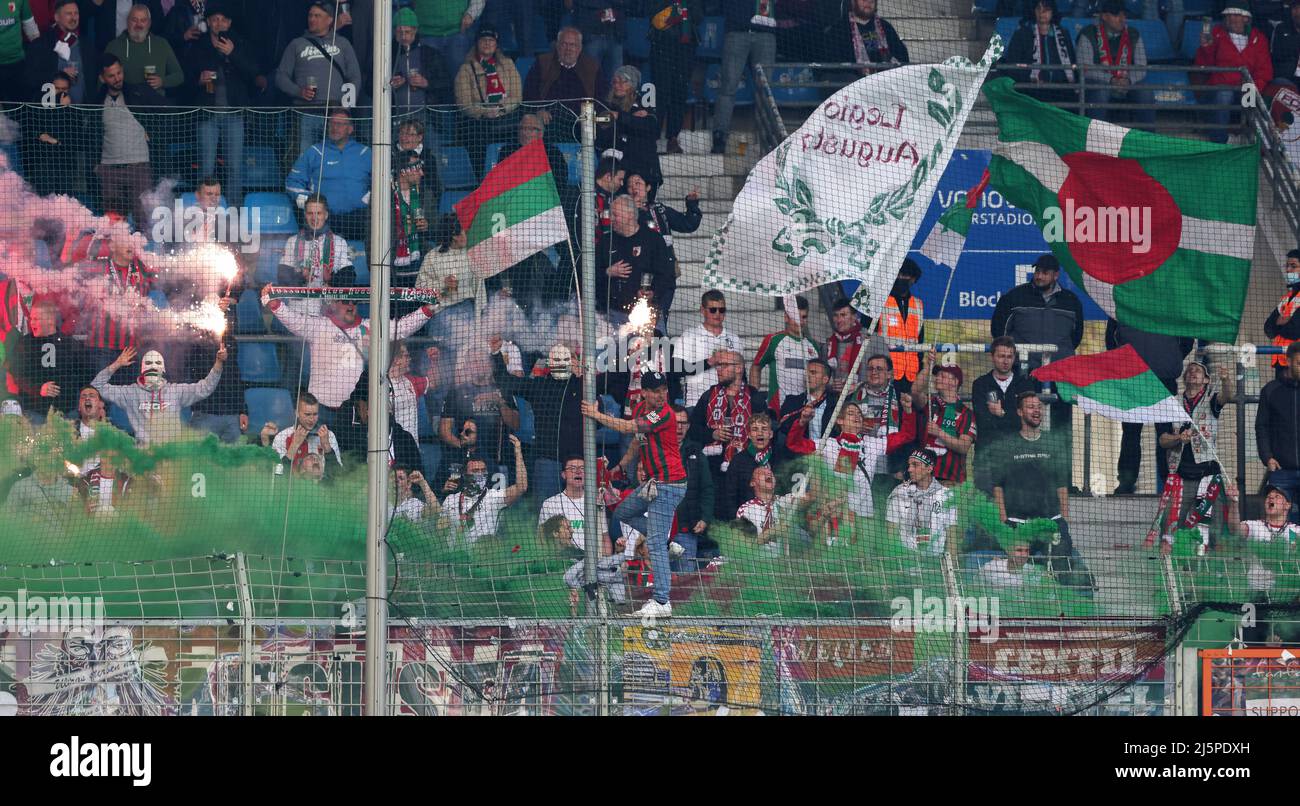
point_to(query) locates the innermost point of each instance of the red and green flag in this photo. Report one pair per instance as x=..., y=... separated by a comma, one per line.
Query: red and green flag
x=1158, y=230
x=514, y=214
x=1116, y=384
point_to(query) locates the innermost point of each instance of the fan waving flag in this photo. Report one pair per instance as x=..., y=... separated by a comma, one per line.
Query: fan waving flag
x=843, y=197
x=1158, y=230
x=1117, y=384
x=514, y=213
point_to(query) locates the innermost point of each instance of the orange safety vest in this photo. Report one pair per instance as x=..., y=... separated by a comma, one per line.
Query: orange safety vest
x=1287, y=308
x=893, y=326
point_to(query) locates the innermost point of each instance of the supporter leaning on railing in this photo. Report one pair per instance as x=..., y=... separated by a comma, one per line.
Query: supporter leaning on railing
x=1233, y=44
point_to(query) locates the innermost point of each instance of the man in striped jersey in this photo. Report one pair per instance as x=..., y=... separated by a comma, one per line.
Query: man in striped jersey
x=128, y=281
x=950, y=431
x=651, y=508
x=785, y=356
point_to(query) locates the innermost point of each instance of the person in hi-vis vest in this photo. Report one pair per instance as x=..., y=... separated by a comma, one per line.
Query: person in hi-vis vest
x=1282, y=326
x=903, y=320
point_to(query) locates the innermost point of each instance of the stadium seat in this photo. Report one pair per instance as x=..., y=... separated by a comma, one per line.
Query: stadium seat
x=636, y=44
x=988, y=7
x=360, y=262
x=507, y=41
x=710, y=33
x=493, y=156
x=447, y=202
x=159, y=299
x=1171, y=95
x=117, y=416
x=258, y=362
x=1194, y=8
x=1005, y=27
x=269, y=404
x=454, y=169
x=188, y=200
x=275, y=213
x=248, y=313
x=713, y=83
x=523, y=64
x=262, y=169
x=1191, y=39
x=570, y=152
x=441, y=129
x=1073, y=25
x=1156, y=36
x=784, y=94
x=527, y=421
x=539, y=43
x=268, y=258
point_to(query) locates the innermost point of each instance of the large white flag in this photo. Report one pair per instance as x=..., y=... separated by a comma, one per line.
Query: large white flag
x=843, y=197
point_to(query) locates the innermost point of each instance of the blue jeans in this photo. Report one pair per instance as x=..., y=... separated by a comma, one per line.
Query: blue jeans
x=453, y=49
x=654, y=519
x=225, y=426
x=227, y=127
x=738, y=50
x=1219, y=117
x=1289, y=482
x=1133, y=96
x=690, y=543
x=608, y=52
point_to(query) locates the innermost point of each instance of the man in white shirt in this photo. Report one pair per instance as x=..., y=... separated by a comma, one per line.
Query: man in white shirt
x=474, y=510
x=569, y=503
x=699, y=344
x=920, y=512
x=302, y=438
x=767, y=511
x=313, y=256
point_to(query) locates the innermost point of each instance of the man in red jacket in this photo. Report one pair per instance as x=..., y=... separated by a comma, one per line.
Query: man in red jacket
x=1235, y=43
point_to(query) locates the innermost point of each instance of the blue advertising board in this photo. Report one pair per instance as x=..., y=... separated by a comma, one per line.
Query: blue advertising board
x=1000, y=249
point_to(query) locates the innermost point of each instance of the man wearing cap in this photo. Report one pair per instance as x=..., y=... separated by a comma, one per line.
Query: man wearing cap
x=488, y=92
x=1282, y=325
x=650, y=510
x=950, y=424
x=315, y=68
x=420, y=76
x=1277, y=432
x=1274, y=526
x=1284, y=47
x=1031, y=472
x=220, y=68
x=920, y=511
x=750, y=39
x=1234, y=44
x=1042, y=312
x=1195, y=477
x=902, y=321
x=1101, y=49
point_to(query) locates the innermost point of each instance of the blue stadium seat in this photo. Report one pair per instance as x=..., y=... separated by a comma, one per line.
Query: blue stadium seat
x=449, y=199
x=784, y=94
x=454, y=169
x=248, y=313
x=713, y=83
x=1005, y=27
x=359, y=261
x=269, y=404
x=1197, y=8
x=539, y=43
x=258, y=362
x=117, y=416
x=507, y=41
x=262, y=169
x=493, y=155
x=608, y=437
x=987, y=6
x=1156, y=36
x=711, y=35
x=188, y=199
x=1191, y=39
x=637, y=42
x=159, y=299
x=1171, y=96
x=570, y=152
x=268, y=258
x=523, y=64
x=442, y=128
x=275, y=211
x=1073, y=25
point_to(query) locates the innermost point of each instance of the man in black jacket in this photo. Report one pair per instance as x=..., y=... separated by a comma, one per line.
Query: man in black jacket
x=48, y=368
x=1277, y=429
x=1284, y=47
x=822, y=397
x=1164, y=354
x=659, y=217
x=720, y=420
x=556, y=399
x=60, y=48
x=696, y=508
x=220, y=67
x=993, y=397
x=636, y=262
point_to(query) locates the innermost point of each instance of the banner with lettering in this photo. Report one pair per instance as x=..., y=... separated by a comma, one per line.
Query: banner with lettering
x=842, y=197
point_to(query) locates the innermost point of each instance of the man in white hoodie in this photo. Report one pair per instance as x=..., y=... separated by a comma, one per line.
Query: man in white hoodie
x=152, y=403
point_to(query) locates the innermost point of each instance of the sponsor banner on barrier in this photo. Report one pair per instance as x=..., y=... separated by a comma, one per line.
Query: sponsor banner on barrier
x=840, y=653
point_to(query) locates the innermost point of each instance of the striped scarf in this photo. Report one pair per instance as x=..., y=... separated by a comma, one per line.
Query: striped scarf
x=496, y=90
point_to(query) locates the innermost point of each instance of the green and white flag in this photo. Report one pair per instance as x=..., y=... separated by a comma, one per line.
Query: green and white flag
x=948, y=237
x=514, y=213
x=1116, y=384
x=1158, y=230
x=843, y=197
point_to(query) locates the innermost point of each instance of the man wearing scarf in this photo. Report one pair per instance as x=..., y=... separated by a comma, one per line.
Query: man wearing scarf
x=1237, y=44
x=863, y=37
x=845, y=343
x=818, y=397
x=1107, y=46
x=761, y=450
x=1042, y=42
x=59, y=49
x=720, y=420
x=315, y=255
x=412, y=211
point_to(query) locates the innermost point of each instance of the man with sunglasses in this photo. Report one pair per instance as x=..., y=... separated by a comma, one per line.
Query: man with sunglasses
x=699, y=347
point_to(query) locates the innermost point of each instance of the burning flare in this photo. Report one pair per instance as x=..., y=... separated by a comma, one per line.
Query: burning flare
x=642, y=315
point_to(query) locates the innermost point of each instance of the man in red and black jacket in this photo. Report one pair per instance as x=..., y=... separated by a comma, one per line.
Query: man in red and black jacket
x=650, y=510
x=125, y=275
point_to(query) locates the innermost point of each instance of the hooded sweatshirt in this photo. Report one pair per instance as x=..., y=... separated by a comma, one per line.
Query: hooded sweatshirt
x=302, y=60
x=155, y=415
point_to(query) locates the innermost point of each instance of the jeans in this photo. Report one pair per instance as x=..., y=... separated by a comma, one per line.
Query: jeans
x=607, y=51
x=738, y=50
x=1219, y=117
x=690, y=543
x=634, y=511
x=1133, y=96
x=225, y=426
x=453, y=49
x=227, y=127
x=1289, y=482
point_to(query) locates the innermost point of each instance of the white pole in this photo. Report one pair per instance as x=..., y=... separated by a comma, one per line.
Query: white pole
x=381, y=238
